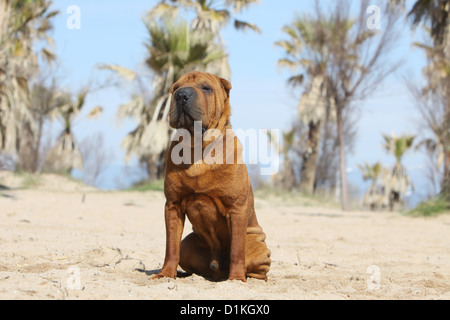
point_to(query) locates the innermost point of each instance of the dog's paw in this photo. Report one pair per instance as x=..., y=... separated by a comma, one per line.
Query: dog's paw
x=239, y=277
x=162, y=275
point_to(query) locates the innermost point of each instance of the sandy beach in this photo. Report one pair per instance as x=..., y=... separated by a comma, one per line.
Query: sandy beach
x=60, y=239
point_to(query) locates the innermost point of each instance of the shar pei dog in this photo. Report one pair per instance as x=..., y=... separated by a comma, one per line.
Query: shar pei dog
x=207, y=181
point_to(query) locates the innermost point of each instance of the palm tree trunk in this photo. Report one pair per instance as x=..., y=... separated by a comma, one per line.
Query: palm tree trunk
x=152, y=167
x=161, y=166
x=288, y=176
x=37, y=146
x=310, y=157
x=4, y=16
x=342, y=161
x=445, y=192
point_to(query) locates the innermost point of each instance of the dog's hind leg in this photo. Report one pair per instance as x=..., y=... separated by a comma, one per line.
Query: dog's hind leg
x=195, y=257
x=257, y=255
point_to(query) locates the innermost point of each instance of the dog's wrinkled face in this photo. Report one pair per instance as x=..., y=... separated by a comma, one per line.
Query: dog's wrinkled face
x=199, y=96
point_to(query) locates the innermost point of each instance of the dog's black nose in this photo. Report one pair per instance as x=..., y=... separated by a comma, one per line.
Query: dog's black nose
x=183, y=95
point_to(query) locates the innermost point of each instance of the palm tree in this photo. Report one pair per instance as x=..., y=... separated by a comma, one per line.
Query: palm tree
x=174, y=48
x=284, y=179
x=357, y=66
x=211, y=16
x=65, y=154
x=434, y=11
x=399, y=181
x=434, y=14
x=375, y=195
x=42, y=106
x=22, y=25
x=307, y=50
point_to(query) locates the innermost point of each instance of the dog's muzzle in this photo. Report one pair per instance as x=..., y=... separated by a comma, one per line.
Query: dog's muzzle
x=184, y=96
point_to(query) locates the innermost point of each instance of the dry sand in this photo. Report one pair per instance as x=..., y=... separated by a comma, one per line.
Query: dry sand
x=62, y=240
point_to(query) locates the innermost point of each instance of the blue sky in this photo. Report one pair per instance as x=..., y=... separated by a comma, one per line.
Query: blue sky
x=112, y=32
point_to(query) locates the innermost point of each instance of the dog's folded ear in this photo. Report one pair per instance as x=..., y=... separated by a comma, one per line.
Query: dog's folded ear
x=226, y=85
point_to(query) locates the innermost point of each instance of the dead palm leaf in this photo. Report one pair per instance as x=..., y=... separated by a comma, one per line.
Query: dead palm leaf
x=95, y=112
x=23, y=24
x=240, y=5
x=121, y=71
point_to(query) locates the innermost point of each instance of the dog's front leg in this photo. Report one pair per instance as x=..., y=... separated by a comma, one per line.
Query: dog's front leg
x=237, y=250
x=174, y=230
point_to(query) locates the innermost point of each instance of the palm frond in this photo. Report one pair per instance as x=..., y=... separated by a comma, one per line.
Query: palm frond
x=240, y=5
x=289, y=47
x=162, y=10
x=48, y=55
x=296, y=80
x=95, y=112
x=242, y=25
x=398, y=146
x=287, y=63
x=121, y=71
x=135, y=109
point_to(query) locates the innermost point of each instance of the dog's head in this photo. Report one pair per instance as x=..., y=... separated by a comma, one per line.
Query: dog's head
x=203, y=97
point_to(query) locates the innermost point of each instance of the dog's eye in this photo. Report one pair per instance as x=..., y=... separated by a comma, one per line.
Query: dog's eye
x=206, y=88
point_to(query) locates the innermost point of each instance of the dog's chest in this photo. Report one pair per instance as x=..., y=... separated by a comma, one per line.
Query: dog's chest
x=195, y=171
x=204, y=179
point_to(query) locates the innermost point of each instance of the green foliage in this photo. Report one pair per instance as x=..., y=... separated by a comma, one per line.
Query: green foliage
x=29, y=180
x=371, y=172
x=145, y=185
x=175, y=48
x=398, y=146
x=431, y=208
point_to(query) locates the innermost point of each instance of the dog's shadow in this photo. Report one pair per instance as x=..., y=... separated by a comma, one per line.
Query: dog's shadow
x=153, y=272
x=180, y=274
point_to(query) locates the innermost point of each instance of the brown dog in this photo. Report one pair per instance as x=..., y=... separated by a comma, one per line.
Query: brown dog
x=227, y=241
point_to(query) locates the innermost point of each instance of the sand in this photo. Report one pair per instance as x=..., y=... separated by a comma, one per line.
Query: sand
x=62, y=240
